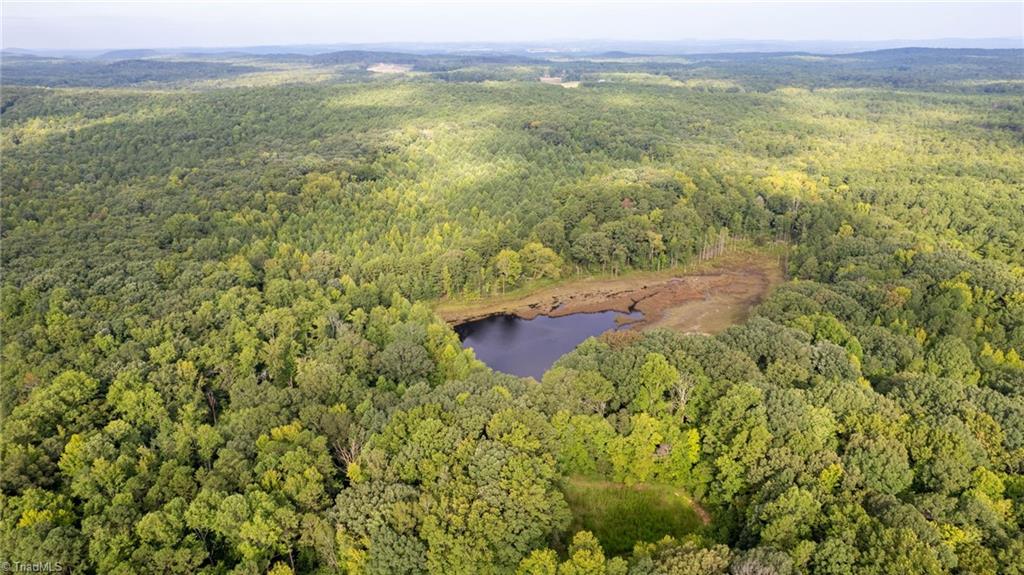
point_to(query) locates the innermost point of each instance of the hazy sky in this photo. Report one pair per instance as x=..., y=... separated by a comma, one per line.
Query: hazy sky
x=98, y=25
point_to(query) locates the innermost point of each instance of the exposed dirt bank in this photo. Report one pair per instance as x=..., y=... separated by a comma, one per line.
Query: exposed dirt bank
x=705, y=301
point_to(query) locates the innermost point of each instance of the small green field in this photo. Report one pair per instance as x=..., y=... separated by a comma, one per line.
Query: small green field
x=620, y=515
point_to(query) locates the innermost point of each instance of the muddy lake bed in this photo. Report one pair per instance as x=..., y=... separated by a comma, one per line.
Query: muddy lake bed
x=525, y=335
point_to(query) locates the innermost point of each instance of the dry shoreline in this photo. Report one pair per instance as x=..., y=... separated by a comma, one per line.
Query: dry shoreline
x=705, y=301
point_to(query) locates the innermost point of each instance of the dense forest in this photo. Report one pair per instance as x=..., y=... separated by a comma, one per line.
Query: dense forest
x=220, y=355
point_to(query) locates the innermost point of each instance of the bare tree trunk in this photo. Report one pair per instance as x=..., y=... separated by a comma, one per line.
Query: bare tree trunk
x=682, y=396
x=212, y=402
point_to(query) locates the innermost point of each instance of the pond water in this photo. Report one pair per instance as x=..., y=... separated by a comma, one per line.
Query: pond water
x=529, y=347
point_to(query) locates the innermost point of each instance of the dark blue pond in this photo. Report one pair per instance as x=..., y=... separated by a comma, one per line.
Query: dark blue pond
x=529, y=347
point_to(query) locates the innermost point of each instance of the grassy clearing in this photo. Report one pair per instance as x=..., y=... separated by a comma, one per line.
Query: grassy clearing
x=620, y=516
